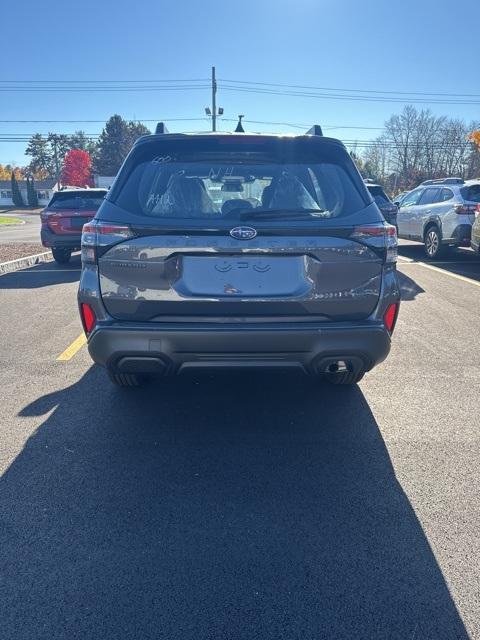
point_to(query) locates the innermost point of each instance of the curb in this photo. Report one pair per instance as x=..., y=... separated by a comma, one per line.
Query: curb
x=23, y=263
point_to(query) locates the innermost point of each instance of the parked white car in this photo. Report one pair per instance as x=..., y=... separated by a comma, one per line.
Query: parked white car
x=440, y=213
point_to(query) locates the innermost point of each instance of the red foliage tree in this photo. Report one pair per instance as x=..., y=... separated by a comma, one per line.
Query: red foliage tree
x=77, y=169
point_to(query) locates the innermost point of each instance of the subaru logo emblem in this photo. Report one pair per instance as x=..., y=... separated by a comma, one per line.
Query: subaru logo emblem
x=243, y=233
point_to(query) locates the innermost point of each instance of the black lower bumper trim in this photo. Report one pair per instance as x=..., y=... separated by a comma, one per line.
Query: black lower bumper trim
x=129, y=349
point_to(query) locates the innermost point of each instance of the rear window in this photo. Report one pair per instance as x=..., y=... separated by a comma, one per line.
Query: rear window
x=379, y=195
x=217, y=178
x=472, y=193
x=81, y=201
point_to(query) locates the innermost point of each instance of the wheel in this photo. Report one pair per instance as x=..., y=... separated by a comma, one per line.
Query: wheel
x=61, y=256
x=346, y=377
x=433, y=243
x=126, y=379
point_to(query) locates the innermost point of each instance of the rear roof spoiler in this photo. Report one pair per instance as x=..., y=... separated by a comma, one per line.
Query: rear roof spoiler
x=161, y=129
x=316, y=130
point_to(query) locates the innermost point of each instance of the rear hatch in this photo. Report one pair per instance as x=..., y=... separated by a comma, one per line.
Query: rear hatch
x=68, y=211
x=239, y=230
x=471, y=195
x=386, y=206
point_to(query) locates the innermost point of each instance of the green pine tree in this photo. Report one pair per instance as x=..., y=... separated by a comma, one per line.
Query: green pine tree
x=42, y=162
x=17, y=198
x=31, y=193
x=114, y=143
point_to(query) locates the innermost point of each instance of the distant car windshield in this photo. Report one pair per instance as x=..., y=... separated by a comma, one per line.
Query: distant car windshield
x=379, y=195
x=78, y=201
x=226, y=184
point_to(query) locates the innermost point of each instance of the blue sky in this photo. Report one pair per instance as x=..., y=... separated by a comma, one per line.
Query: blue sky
x=411, y=46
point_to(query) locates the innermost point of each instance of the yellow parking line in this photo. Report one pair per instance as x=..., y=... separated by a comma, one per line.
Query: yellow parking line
x=70, y=351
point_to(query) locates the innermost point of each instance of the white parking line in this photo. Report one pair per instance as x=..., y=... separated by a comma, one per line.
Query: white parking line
x=443, y=271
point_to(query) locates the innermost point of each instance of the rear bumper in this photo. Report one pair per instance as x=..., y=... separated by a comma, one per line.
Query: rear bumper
x=170, y=349
x=461, y=236
x=54, y=240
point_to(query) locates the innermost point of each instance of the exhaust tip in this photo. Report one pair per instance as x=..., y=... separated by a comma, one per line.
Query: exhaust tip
x=340, y=366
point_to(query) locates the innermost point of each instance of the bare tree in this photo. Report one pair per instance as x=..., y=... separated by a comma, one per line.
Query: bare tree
x=417, y=145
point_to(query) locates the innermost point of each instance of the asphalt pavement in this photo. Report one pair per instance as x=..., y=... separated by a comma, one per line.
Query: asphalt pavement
x=242, y=506
x=27, y=232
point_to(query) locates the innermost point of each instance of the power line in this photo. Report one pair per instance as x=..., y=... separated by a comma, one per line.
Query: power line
x=299, y=86
x=98, y=121
x=265, y=88
x=362, y=98
x=91, y=89
x=123, y=82
x=103, y=81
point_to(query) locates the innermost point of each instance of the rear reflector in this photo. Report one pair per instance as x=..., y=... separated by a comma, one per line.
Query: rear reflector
x=88, y=317
x=390, y=316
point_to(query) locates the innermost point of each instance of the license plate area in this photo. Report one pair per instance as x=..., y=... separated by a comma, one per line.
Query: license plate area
x=239, y=276
x=77, y=223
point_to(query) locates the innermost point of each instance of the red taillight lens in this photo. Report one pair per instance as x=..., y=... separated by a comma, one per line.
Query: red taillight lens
x=477, y=211
x=381, y=237
x=89, y=318
x=466, y=209
x=390, y=316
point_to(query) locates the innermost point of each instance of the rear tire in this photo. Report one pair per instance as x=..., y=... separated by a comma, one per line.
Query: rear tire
x=61, y=256
x=346, y=377
x=126, y=379
x=432, y=241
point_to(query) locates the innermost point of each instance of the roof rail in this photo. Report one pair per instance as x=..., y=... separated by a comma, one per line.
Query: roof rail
x=161, y=128
x=316, y=130
x=443, y=181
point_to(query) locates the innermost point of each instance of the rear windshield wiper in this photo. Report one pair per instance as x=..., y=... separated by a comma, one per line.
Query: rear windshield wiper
x=294, y=214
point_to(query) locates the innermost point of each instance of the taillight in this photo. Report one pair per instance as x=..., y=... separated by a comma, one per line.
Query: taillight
x=471, y=209
x=88, y=316
x=52, y=220
x=96, y=236
x=390, y=316
x=477, y=211
x=380, y=237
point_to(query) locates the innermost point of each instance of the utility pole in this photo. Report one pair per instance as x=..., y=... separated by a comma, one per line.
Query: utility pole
x=212, y=111
x=214, y=101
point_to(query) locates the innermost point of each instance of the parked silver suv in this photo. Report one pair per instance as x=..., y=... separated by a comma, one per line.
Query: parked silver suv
x=238, y=250
x=439, y=213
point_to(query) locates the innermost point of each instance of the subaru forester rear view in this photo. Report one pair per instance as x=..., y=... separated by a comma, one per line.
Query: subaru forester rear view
x=238, y=251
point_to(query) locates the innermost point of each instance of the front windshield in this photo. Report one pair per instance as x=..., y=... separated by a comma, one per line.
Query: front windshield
x=227, y=186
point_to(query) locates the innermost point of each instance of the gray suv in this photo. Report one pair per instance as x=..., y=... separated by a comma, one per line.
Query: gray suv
x=439, y=213
x=236, y=250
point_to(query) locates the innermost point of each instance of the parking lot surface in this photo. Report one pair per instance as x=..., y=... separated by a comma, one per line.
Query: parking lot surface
x=29, y=231
x=242, y=506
